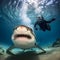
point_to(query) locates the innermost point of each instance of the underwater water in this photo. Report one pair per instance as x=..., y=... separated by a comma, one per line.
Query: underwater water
x=24, y=12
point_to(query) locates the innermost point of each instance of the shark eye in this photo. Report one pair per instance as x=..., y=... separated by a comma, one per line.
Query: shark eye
x=28, y=29
x=31, y=30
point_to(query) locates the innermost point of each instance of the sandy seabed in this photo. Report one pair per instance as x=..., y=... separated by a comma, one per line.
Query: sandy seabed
x=49, y=55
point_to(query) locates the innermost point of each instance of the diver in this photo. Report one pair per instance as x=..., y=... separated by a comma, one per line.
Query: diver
x=43, y=24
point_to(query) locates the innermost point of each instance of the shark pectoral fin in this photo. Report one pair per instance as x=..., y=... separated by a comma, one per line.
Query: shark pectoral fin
x=43, y=51
x=9, y=50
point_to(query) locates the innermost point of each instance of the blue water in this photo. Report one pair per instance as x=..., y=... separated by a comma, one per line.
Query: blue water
x=11, y=16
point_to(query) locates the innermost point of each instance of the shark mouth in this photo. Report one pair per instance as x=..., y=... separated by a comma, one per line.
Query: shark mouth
x=22, y=36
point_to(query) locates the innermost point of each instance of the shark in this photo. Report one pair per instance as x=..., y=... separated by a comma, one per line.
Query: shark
x=23, y=37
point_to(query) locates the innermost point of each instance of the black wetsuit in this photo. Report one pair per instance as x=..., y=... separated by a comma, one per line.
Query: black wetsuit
x=43, y=24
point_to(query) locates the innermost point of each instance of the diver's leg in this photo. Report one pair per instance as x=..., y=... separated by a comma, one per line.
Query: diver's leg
x=9, y=50
x=41, y=49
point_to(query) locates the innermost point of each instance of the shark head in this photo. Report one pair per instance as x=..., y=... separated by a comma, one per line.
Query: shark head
x=23, y=37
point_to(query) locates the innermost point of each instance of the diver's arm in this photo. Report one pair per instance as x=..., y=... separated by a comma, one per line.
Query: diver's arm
x=50, y=20
x=40, y=48
x=35, y=25
x=9, y=50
